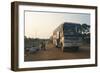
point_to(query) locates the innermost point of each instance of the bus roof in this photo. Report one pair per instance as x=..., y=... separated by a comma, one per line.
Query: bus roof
x=70, y=23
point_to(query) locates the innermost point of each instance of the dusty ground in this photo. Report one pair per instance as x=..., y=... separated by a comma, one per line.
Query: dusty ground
x=52, y=53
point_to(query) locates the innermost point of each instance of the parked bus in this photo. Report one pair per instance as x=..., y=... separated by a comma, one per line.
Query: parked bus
x=67, y=36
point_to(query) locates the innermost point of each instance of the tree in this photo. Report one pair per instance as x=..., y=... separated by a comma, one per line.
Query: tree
x=85, y=29
x=85, y=33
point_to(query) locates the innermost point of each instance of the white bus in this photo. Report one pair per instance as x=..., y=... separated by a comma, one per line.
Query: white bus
x=67, y=36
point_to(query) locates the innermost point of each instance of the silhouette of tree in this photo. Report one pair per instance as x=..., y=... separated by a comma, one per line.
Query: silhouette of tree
x=85, y=28
x=85, y=32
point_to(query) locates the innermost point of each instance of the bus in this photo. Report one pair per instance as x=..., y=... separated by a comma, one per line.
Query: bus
x=67, y=36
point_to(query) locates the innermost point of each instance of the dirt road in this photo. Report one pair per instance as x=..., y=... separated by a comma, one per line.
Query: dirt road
x=53, y=53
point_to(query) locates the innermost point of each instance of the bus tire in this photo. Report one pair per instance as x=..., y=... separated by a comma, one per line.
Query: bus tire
x=76, y=49
x=62, y=48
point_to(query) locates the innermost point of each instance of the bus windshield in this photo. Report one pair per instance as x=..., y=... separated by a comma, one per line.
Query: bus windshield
x=70, y=29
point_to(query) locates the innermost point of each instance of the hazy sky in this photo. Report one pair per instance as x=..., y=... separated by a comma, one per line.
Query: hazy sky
x=42, y=24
